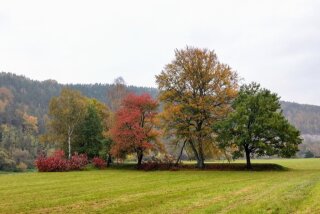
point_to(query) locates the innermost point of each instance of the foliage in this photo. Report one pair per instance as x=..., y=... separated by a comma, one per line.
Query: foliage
x=77, y=162
x=196, y=90
x=66, y=113
x=133, y=131
x=305, y=117
x=23, y=156
x=257, y=126
x=55, y=163
x=22, y=167
x=6, y=163
x=99, y=163
x=58, y=163
x=89, y=133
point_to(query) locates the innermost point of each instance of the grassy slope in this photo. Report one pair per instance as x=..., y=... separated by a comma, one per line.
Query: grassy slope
x=129, y=191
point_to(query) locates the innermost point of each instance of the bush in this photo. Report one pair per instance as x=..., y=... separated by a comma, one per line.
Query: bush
x=58, y=162
x=99, y=163
x=24, y=156
x=78, y=162
x=22, y=167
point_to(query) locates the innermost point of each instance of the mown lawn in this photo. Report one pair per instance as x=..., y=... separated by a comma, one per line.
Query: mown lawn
x=128, y=191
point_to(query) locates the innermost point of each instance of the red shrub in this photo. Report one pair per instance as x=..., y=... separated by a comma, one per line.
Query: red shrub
x=78, y=162
x=98, y=163
x=58, y=163
x=55, y=163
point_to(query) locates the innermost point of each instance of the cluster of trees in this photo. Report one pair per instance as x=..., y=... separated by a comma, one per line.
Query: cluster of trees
x=203, y=111
x=24, y=107
x=18, y=142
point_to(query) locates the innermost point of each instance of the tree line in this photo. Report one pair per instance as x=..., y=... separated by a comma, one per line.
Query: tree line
x=203, y=110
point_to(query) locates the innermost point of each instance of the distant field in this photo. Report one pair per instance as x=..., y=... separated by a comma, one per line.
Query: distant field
x=128, y=191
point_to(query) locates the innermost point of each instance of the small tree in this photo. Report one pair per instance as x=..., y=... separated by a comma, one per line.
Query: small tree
x=257, y=126
x=66, y=112
x=89, y=137
x=133, y=131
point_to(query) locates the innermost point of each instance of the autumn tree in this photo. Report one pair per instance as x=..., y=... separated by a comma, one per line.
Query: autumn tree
x=196, y=90
x=6, y=98
x=257, y=126
x=66, y=112
x=134, y=130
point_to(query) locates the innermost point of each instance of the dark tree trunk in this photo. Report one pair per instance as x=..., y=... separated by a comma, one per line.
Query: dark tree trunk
x=198, y=156
x=109, y=160
x=247, y=150
x=140, y=157
x=178, y=160
x=200, y=163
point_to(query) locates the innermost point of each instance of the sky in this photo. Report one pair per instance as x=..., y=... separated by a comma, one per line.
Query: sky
x=273, y=42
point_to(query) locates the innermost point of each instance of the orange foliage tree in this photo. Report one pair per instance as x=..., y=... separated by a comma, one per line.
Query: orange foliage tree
x=196, y=91
x=134, y=129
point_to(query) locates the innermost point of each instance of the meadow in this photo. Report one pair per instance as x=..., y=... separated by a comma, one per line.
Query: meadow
x=295, y=190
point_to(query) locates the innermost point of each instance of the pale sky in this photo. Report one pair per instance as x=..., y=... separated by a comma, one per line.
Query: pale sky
x=275, y=43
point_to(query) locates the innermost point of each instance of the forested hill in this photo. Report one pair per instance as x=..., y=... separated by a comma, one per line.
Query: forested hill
x=33, y=97
x=305, y=117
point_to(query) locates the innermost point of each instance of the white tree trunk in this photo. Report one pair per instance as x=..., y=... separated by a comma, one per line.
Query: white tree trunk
x=69, y=142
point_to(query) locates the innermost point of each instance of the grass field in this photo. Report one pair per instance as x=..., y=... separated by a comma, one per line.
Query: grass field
x=128, y=191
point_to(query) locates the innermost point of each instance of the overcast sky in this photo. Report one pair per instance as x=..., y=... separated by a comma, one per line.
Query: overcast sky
x=276, y=43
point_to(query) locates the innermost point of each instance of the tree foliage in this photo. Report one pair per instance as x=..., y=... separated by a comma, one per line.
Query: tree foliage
x=196, y=90
x=90, y=132
x=66, y=113
x=257, y=126
x=134, y=129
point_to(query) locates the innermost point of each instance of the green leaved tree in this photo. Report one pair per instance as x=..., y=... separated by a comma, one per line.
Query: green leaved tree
x=257, y=126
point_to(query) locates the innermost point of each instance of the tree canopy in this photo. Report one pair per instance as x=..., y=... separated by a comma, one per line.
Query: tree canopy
x=134, y=129
x=196, y=90
x=257, y=126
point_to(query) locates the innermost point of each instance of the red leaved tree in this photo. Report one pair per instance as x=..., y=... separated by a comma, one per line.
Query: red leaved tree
x=134, y=131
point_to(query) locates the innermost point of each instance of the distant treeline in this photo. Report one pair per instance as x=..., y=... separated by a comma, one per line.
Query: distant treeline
x=33, y=97
x=305, y=117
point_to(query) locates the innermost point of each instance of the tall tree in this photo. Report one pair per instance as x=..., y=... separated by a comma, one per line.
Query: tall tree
x=196, y=90
x=117, y=93
x=66, y=112
x=257, y=126
x=134, y=130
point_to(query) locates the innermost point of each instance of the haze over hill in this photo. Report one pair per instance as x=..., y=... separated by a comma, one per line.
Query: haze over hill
x=33, y=97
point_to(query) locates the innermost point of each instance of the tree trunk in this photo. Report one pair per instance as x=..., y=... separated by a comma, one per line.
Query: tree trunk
x=69, y=146
x=247, y=150
x=178, y=160
x=139, y=156
x=199, y=156
x=200, y=163
x=109, y=160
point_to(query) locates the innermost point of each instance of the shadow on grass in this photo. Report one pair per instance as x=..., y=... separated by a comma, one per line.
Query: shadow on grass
x=208, y=167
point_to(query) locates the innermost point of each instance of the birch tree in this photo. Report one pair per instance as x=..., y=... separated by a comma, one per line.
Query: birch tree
x=66, y=112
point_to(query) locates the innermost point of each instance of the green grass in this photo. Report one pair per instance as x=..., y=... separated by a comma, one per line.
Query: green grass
x=296, y=190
